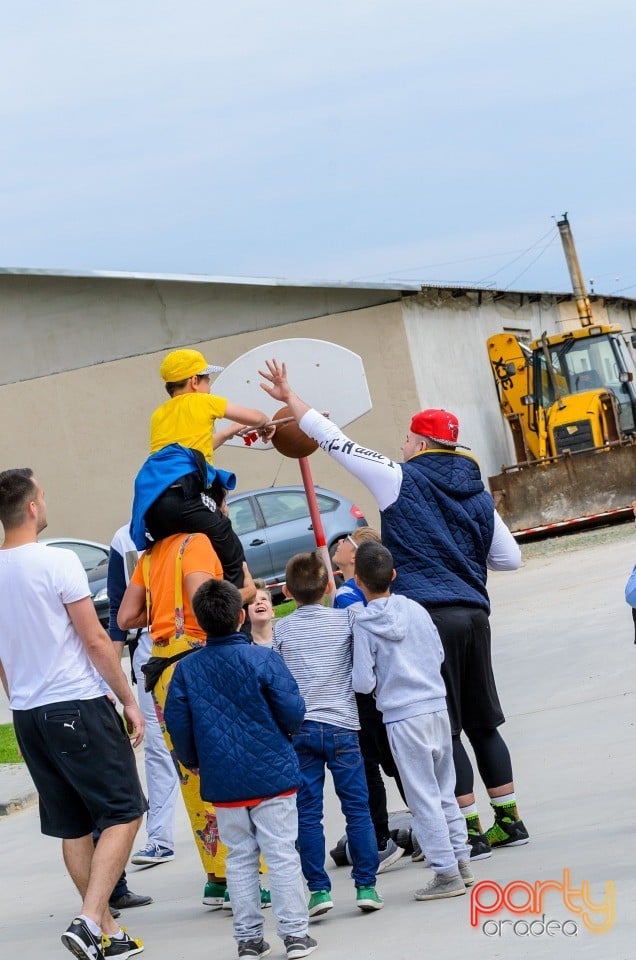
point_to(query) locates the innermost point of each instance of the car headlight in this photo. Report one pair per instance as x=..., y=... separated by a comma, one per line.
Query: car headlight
x=100, y=595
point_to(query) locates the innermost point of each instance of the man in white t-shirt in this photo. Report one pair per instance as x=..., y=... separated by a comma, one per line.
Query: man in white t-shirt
x=54, y=660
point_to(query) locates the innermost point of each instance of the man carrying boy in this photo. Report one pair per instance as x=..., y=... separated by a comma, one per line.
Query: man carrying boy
x=230, y=711
x=398, y=653
x=316, y=644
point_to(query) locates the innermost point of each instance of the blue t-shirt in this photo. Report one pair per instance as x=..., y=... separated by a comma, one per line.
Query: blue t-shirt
x=347, y=594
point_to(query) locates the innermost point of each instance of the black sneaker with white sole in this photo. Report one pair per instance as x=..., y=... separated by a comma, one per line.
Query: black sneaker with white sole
x=253, y=949
x=297, y=947
x=81, y=942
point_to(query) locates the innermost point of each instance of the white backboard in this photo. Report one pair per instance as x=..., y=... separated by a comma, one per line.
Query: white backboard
x=324, y=375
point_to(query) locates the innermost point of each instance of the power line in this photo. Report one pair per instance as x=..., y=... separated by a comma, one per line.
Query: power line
x=532, y=262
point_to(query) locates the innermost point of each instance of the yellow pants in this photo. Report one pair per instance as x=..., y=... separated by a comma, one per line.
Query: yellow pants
x=201, y=814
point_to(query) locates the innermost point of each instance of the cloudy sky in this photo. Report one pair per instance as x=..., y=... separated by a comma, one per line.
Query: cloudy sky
x=342, y=139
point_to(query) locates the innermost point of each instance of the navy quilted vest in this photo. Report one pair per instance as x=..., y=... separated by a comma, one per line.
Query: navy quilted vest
x=439, y=531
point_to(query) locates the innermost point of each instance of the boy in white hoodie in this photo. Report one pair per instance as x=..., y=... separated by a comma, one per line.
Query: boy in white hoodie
x=398, y=654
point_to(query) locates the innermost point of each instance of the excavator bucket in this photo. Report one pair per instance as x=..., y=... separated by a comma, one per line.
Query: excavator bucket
x=570, y=490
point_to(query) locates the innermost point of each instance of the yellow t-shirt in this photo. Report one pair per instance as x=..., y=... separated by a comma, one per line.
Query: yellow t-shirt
x=187, y=419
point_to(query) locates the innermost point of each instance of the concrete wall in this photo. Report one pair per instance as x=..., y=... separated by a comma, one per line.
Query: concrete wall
x=61, y=323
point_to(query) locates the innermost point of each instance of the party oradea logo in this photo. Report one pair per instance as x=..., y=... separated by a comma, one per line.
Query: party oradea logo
x=527, y=904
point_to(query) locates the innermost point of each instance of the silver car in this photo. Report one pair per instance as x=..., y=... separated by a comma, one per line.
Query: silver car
x=274, y=523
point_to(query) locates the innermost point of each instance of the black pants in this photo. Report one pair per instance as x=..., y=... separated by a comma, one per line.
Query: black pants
x=186, y=508
x=471, y=693
x=376, y=754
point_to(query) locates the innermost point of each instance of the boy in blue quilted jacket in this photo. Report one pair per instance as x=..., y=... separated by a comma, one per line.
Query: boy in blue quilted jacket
x=231, y=709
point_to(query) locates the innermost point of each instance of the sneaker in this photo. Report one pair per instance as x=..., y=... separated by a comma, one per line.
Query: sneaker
x=507, y=830
x=480, y=849
x=319, y=902
x=121, y=947
x=214, y=894
x=441, y=887
x=152, y=854
x=418, y=854
x=266, y=900
x=81, y=942
x=368, y=899
x=297, y=947
x=466, y=873
x=253, y=948
x=389, y=855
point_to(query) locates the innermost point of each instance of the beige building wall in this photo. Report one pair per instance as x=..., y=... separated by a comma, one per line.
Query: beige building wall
x=85, y=432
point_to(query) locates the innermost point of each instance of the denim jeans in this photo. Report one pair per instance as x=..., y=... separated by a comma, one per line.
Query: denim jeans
x=270, y=828
x=317, y=744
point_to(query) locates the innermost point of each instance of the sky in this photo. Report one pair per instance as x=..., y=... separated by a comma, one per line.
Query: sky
x=364, y=140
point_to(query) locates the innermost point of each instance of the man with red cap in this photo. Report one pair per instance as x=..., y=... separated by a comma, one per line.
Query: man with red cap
x=444, y=534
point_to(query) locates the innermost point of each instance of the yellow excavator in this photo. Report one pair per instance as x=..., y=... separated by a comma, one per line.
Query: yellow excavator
x=570, y=401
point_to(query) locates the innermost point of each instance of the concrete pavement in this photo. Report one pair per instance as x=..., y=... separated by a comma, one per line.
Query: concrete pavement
x=564, y=660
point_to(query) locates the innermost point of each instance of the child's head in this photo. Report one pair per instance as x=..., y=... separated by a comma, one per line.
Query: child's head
x=261, y=609
x=218, y=606
x=306, y=578
x=344, y=554
x=373, y=568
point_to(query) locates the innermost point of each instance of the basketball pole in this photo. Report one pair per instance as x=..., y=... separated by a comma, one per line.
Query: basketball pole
x=316, y=521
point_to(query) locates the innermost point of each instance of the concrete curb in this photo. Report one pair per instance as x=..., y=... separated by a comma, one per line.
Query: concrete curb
x=17, y=791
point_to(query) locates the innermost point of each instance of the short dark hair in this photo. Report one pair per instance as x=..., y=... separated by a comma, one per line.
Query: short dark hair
x=306, y=577
x=374, y=566
x=176, y=385
x=17, y=489
x=217, y=606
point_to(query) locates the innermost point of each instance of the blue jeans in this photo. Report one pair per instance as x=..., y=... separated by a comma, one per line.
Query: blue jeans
x=317, y=744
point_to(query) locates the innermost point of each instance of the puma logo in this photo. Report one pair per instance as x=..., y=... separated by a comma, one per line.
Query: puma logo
x=71, y=726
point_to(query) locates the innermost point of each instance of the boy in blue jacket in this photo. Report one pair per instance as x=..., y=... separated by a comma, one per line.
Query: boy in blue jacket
x=231, y=709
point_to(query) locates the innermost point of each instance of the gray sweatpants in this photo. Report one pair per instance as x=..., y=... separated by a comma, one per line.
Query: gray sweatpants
x=423, y=753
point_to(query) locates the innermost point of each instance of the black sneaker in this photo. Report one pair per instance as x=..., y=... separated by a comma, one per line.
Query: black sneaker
x=121, y=947
x=297, y=947
x=480, y=849
x=507, y=830
x=253, y=949
x=81, y=942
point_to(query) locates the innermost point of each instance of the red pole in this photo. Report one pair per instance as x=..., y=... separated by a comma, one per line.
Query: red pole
x=316, y=520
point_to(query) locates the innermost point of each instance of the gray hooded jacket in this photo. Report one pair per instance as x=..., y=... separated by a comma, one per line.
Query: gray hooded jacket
x=398, y=653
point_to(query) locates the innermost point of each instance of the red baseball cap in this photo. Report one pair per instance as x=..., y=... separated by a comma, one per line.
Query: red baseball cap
x=439, y=425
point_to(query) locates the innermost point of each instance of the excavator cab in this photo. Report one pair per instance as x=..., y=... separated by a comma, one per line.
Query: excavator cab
x=572, y=371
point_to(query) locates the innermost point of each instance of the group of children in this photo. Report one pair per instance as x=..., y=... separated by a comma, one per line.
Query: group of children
x=260, y=719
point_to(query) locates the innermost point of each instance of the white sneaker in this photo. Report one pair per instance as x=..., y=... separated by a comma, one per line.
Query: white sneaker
x=441, y=887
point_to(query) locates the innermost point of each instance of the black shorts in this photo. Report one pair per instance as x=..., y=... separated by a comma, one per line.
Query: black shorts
x=82, y=764
x=471, y=693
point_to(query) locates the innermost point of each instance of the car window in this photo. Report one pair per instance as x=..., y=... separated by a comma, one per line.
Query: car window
x=242, y=516
x=283, y=506
x=326, y=504
x=90, y=556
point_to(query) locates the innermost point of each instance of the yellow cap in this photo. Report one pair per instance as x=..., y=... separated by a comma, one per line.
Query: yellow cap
x=181, y=364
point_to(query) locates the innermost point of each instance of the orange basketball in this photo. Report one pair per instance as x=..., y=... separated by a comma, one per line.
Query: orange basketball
x=289, y=439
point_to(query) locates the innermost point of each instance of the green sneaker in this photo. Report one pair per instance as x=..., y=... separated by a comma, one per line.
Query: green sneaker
x=508, y=830
x=368, y=899
x=319, y=902
x=214, y=894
